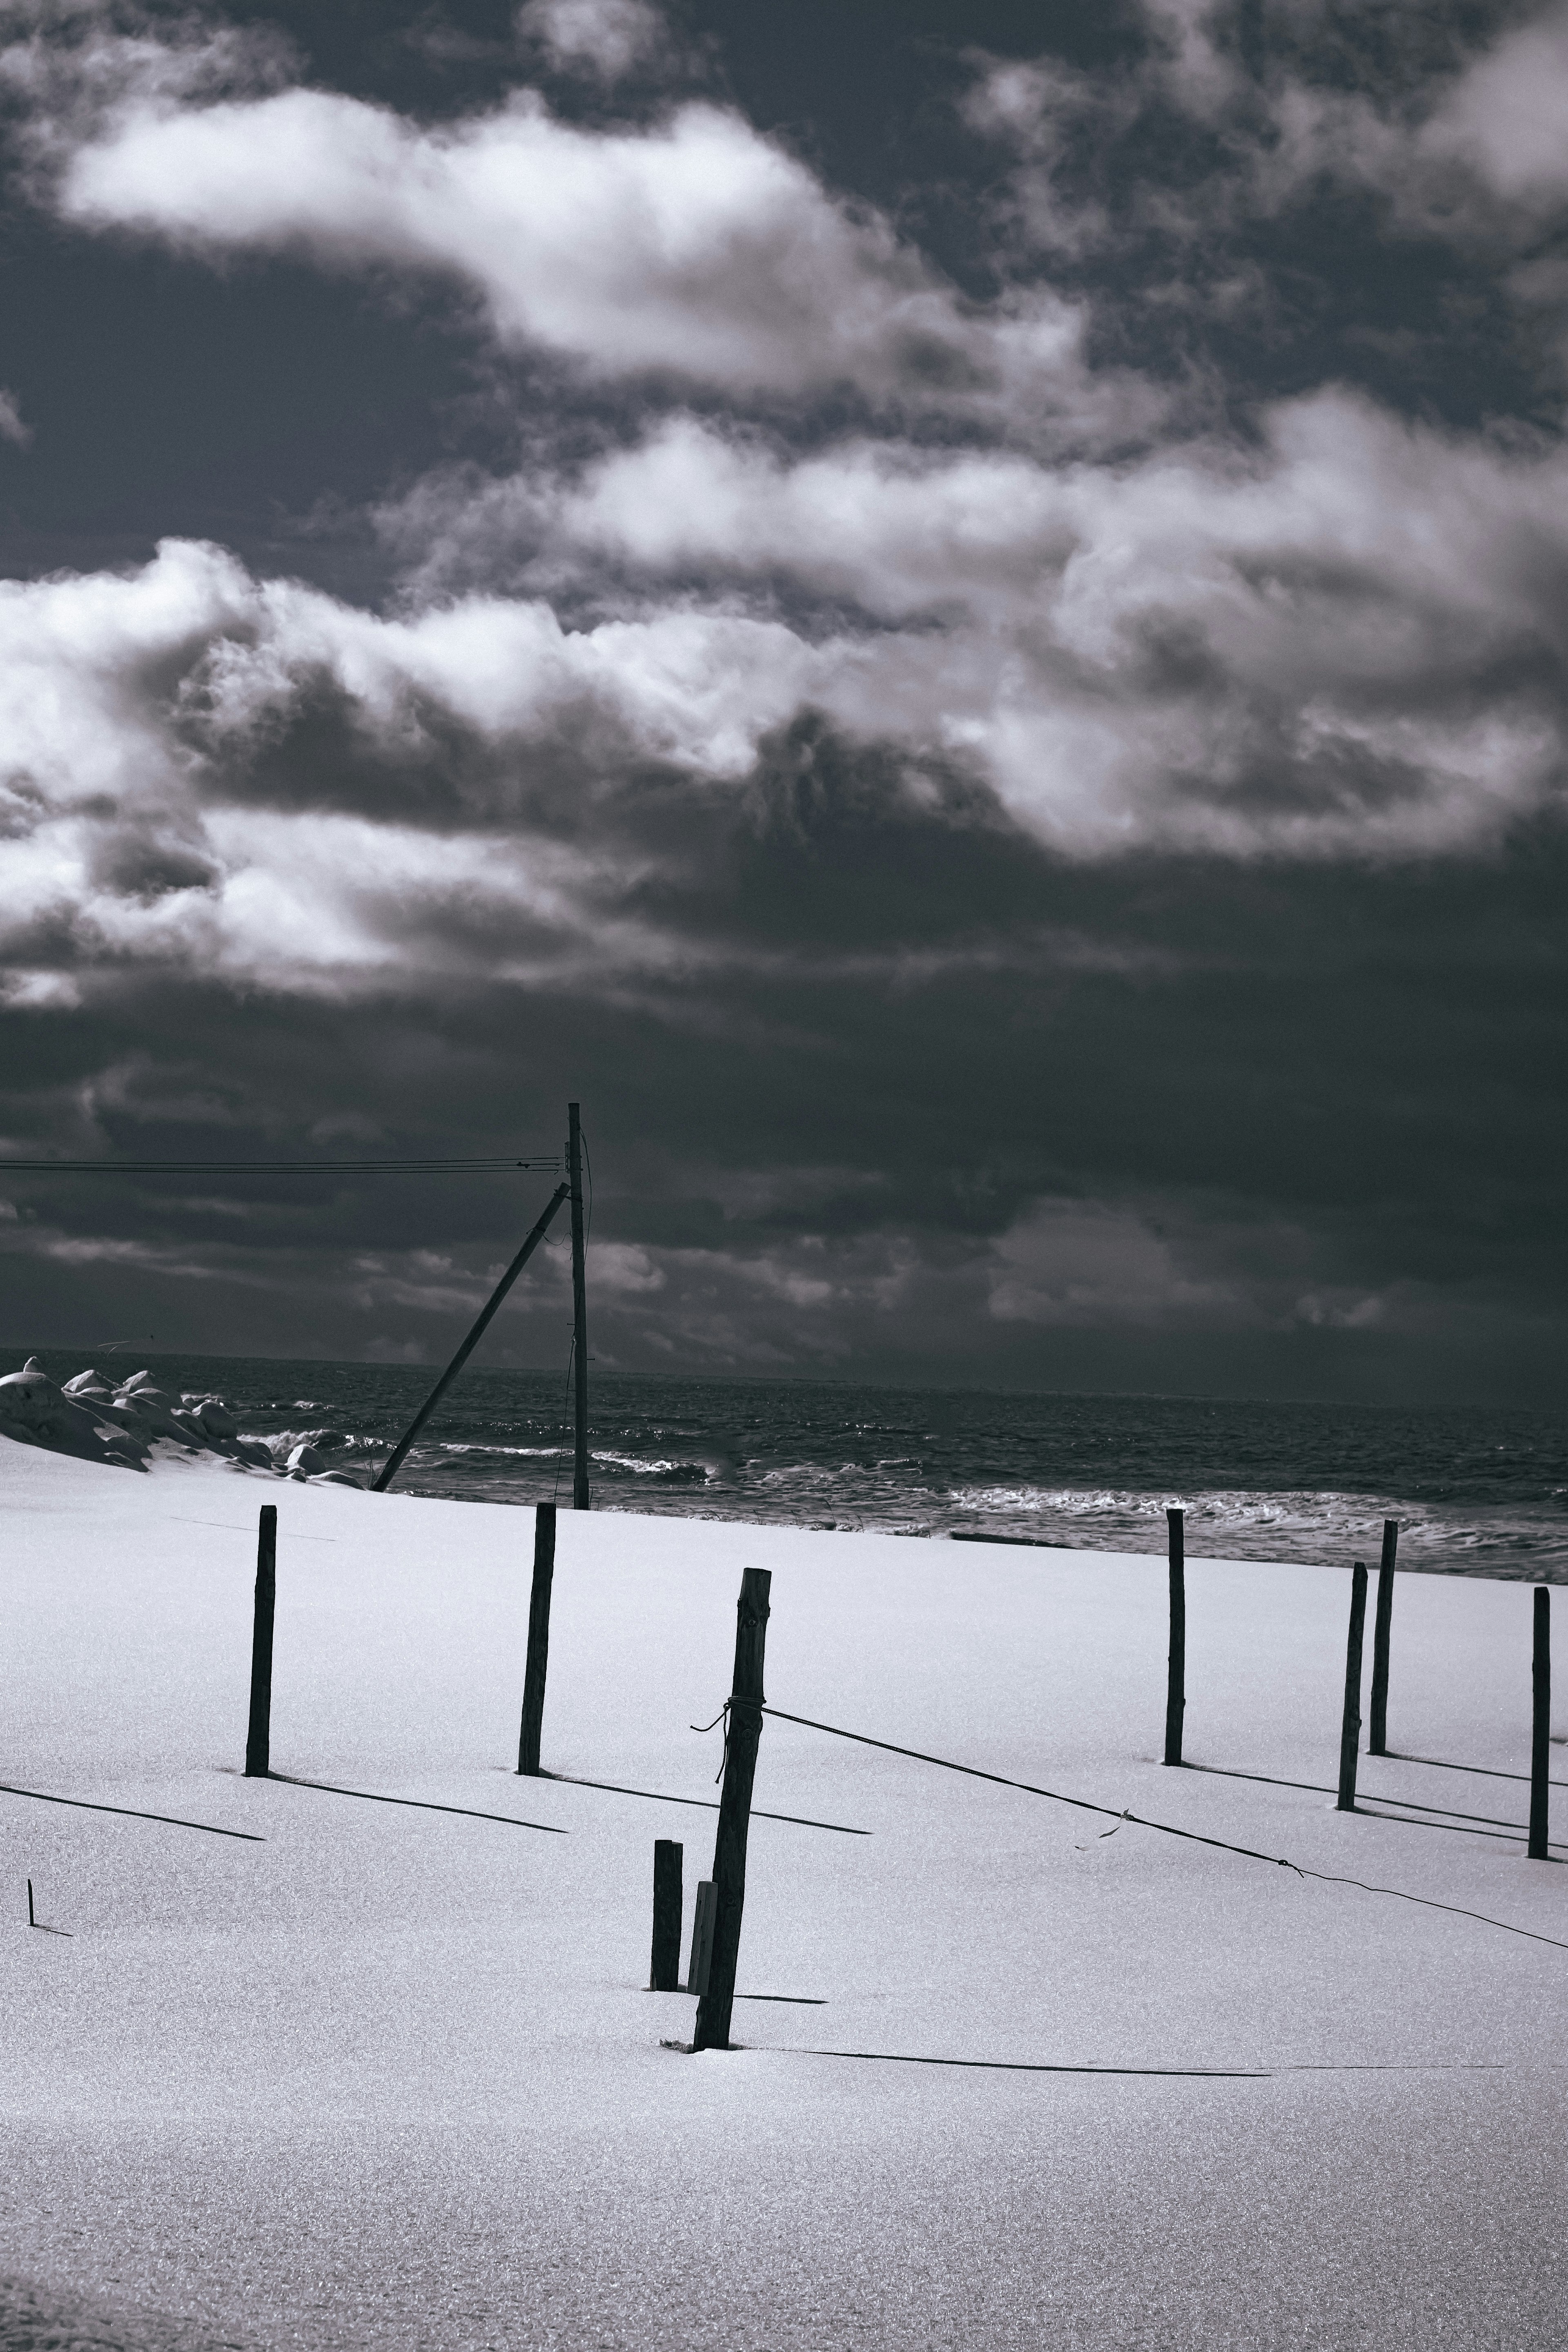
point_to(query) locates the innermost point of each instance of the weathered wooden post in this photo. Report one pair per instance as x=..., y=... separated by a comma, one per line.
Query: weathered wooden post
x=702, y=1938
x=745, y=1727
x=1349, y=1727
x=1539, y=1848
x=1176, y=1671
x=258, y=1739
x=538, y=1638
x=664, y=1970
x=579, y=1311
x=1377, y=1739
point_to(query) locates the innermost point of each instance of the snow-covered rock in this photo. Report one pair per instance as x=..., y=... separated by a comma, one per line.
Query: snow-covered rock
x=35, y=1412
x=131, y=1426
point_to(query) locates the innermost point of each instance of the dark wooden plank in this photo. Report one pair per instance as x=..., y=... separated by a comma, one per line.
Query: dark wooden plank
x=258, y=1736
x=1350, y=1724
x=1540, y=1726
x=1176, y=1668
x=1381, y=1632
x=664, y=1968
x=534, y=1673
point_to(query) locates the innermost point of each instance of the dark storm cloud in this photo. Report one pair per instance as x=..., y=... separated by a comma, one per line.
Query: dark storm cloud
x=1032, y=819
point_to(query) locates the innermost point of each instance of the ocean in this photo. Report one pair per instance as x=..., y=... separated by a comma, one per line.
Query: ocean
x=1476, y=1491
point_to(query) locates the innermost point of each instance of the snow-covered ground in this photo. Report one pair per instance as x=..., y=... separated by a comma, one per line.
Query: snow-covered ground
x=390, y=2078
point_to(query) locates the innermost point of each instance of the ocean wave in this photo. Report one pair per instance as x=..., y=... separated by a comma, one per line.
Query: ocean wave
x=691, y=1474
x=534, y=1452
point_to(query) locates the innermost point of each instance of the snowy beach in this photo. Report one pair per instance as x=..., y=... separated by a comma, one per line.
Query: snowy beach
x=390, y=2076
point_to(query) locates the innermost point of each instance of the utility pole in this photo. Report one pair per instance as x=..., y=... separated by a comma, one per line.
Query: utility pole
x=579, y=1307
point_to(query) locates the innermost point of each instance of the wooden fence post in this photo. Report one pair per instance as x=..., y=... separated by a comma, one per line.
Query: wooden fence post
x=1176, y=1671
x=538, y=1639
x=258, y=1739
x=1377, y=1739
x=1349, y=1727
x=663, y=1971
x=701, y=1937
x=1539, y=1849
x=745, y=1727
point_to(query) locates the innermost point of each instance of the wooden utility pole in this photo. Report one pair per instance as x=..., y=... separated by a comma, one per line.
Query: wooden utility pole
x=1377, y=1737
x=745, y=1727
x=1176, y=1667
x=533, y=1672
x=579, y=1308
x=259, y=1737
x=1539, y=1848
x=1350, y=1722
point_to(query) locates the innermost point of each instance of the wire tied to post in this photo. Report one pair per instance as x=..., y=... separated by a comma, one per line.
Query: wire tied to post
x=722, y=1717
x=1119, y=1814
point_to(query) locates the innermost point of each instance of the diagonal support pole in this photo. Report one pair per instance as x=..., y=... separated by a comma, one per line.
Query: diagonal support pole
x=395, y=1461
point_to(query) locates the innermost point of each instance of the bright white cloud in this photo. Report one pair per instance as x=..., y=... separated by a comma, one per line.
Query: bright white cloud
x=696, y=249
x=1345, y=645
x=1295, y=651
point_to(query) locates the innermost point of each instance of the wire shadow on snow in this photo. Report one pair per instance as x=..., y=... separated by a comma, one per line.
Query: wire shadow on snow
x=418, y=1804
x=707, y=1804
x=1504, y=1832
x=129, y=1812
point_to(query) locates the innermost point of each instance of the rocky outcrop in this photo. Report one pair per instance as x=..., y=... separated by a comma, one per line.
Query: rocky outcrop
x=134, y=1423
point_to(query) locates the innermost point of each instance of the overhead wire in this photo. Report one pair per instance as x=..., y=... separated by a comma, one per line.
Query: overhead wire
x=541, y=1164
x=1141, y=1820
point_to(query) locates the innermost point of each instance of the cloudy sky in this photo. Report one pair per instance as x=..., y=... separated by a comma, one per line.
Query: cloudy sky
x=952, y=613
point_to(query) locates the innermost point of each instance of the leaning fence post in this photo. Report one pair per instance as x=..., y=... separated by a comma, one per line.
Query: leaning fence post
x=745, y=1730
x=258, y=1739
x=1349, y=1727
x=1377, y=1737
x=538, y=1639
x=1176, y=1671
x=1538, y=1848
x=663, y=1971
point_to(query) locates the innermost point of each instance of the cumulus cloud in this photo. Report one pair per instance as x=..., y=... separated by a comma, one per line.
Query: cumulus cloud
x=696, y=249
x=1345, y=641
x=841, y=713
x=13, y=425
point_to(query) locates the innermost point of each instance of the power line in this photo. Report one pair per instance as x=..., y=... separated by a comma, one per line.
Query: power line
x=549, y=1166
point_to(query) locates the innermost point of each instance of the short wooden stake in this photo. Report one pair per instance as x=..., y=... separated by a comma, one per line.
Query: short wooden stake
x=538, y=1639
x=664, y=1970
x=745, y=1729
x=258, y=1739
x=1350, y=1727
x=1540, y=1727
x=1177, y=1670
x=31, y=1921
x=701, y=1937
x=1377, y=1737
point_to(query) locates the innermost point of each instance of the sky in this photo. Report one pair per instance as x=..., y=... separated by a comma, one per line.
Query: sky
x=950, y=615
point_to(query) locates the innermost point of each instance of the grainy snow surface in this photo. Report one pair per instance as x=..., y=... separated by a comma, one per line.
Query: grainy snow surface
x=391, y=2079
